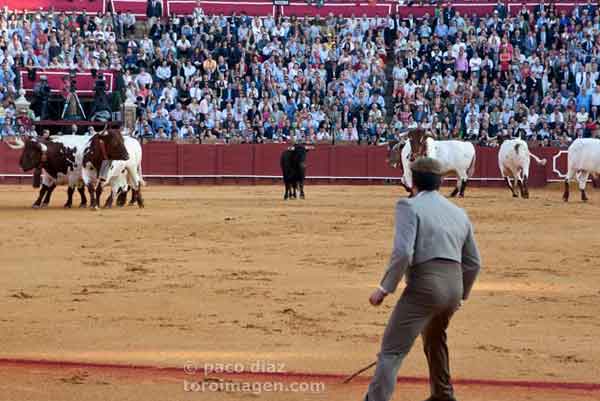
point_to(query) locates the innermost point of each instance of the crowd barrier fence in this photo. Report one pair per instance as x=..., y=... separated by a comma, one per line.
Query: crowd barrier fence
x=300, y=8
x=173, y=163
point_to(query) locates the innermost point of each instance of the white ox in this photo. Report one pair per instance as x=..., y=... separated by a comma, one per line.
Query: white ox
x=583, y=160
x=122, y=175
x=93, y=152
x=456, y=157
x=513, y=160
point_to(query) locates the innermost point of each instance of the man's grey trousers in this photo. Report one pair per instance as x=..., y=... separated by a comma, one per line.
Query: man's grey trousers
x=432, y=295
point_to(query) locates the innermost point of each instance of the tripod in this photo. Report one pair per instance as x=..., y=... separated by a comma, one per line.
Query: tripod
x=73, y=106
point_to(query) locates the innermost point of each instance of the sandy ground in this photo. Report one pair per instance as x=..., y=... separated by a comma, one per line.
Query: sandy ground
x=234, y=275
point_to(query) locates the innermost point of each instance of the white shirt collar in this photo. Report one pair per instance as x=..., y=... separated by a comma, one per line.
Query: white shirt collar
x=423, y=193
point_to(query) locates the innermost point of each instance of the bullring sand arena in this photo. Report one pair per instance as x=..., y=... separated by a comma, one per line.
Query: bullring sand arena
x=155, y=303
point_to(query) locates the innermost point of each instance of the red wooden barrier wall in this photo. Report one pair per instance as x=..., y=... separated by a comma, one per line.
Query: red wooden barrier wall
x=357, y=8
x=84, y=81
x=348, y=8
x=90, y=6
x=265, y=7
x=236, y=164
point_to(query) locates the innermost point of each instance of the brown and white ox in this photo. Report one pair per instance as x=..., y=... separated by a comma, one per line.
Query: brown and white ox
x=456, y=157
x=70, y=160
x=122, y=175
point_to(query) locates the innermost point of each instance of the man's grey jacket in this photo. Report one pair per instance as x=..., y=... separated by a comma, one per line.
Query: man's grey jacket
x=429, y=227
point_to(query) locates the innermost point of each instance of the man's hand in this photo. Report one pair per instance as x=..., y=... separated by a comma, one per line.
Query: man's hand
x=377, y=297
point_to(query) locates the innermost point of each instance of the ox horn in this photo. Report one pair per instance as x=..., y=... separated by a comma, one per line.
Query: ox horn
x=309, y=147
x=18, y=144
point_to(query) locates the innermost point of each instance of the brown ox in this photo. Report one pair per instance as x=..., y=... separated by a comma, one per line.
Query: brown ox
x=456, y=157
x=418, y=143
x=101, y=148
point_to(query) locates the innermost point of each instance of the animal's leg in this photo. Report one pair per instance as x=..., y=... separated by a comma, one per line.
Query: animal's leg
x=455, y=191
x=510, y=186
x=506, y=174
x=408, y=183
x=463, y=186
x=570, y=177
x=138, y=197
x=37, y=177
x=406, y=187
x=294, y=188
x=287, y=191
x=525, y=191
x=520, y=184
x=582, y=179
x=70, y=192
x=519, y=181
x=92, y=191
x=81, y=191
x=301, y=186
x=133, y=199
x=38, y=201
x=122, y=198
x=135, y=183
x=98, y=193
x=109, y=201
x=134, y=192
x=48, y=195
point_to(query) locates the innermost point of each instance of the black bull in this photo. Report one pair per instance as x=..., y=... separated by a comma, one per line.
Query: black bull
x=293, y=168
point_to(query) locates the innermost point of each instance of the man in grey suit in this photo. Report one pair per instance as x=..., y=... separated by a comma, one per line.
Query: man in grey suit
x=434, y=246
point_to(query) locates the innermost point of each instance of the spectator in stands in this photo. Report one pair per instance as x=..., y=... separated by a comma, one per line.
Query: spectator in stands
x=127, y=23
x=154, y=11
x=245, y=79
x=187, y=131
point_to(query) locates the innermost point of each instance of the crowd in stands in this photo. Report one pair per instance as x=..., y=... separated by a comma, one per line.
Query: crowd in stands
x=533, y=75
x=328, y=79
